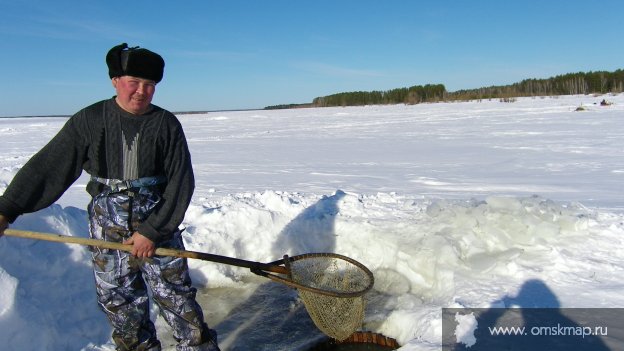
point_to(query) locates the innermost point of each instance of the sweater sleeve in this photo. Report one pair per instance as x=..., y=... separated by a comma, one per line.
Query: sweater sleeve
x=178, y=191
x=47, y=175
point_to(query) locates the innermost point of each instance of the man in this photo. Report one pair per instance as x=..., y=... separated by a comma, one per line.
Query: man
x=141, y=185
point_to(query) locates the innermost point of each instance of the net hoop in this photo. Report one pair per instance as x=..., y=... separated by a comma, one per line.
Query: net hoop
x=345, y=294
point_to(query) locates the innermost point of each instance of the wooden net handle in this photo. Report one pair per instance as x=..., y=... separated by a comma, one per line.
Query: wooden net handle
x=159, y=251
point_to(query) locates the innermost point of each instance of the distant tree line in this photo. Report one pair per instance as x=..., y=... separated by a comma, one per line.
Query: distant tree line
x=411, y=95
x=286, y=106
x=568, y=84
x=600, y=82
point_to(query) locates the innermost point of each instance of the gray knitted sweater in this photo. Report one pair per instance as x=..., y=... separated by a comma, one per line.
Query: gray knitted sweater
x=92, y=140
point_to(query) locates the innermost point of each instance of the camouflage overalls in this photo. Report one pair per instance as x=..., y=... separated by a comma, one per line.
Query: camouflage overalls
x=122, y=279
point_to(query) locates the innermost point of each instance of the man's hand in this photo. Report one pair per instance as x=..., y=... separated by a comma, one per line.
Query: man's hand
x=141, y=245
x=4, y=224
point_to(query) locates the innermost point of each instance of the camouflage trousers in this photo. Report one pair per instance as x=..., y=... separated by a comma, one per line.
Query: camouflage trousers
x=122, y=280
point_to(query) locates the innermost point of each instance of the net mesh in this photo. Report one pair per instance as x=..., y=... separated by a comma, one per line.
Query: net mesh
x=336, y=312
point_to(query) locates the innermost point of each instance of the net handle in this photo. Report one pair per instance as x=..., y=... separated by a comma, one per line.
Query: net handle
x=161, y=251
x=268, y=270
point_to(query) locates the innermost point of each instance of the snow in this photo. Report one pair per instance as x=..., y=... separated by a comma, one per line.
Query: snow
x=465, y=204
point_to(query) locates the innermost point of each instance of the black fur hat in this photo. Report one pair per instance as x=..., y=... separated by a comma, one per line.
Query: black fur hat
x=136, y=62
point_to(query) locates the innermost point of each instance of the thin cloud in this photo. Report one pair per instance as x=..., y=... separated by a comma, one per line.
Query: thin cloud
x=70, y=84
x=79, y=29
x=331, y=70
x=216, y=55
x=42, y=21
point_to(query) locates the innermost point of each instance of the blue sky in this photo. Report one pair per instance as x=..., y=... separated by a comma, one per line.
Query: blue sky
x=250, y=54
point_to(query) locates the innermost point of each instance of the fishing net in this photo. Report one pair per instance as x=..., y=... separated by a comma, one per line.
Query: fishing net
x=332, y=288
x=331, y=285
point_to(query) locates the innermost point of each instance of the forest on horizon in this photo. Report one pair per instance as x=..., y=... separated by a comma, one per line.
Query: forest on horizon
x=601, y=82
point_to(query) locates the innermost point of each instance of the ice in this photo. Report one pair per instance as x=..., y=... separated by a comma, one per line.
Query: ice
x=468, y=204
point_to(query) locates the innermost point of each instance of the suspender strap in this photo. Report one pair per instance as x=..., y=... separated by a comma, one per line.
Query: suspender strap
x=120, y=185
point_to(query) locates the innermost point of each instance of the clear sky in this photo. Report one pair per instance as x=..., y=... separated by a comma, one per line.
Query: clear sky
x=236, y=54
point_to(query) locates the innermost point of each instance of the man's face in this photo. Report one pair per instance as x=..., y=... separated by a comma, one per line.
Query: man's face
x=134, y=94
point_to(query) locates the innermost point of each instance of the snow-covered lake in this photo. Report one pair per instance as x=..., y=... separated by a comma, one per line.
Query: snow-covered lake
x=450, y=205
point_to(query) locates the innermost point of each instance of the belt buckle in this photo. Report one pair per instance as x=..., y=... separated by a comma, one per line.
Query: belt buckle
x=120, y=186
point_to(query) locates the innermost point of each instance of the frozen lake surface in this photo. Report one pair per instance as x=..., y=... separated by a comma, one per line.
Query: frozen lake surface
x=450, y=205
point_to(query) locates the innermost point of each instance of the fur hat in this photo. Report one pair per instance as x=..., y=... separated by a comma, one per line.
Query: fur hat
x=136, y=62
